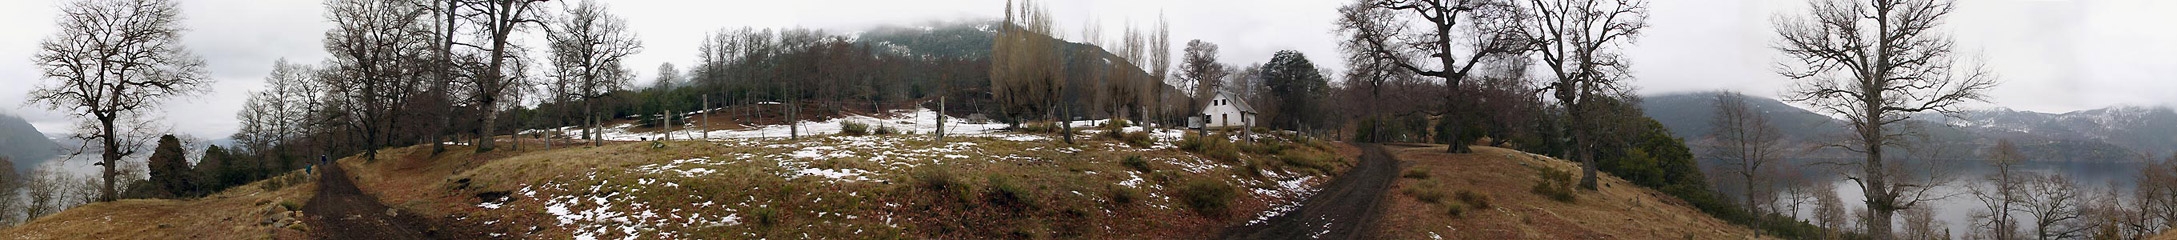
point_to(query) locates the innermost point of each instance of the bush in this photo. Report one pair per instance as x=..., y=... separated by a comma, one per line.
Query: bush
x=1471, y=198
x=1192, y=143
x=939, y=179
x=1138, y=139
x=1318, y=161
x=1122, y=195
x=1137, y=163
x=1003, y=192
x=1427, y=194
x=1415, y=174
x=1222, y=151
x=1454, y=209
x=887, y=130
x=1041, y=127
x=1555, y=184
x=1271, y=148
x=1117, y=124
x=853, y=128
x=290, y=205
x=1208, y=196
x=1213, y=145
x=765, y=216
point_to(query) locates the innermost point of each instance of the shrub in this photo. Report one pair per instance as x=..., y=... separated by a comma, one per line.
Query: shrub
x=1039, y=127
x=1317, y=161
x=290, y=205
x=1213, y=145
x=1004, y=192
x=1415, y=174
x=1555, y=184
x=853, y=128
x=1208, y=196
x=1471, y=198
x=1263, y=148
x=939, y=179
x=1122, y=195
x=1192, y=143
x=1222, y=151
x=1426, y=194
x=1117, y=123
x=1454, y=209
x=1138, y=139
x=887, y=130
x=765, y=216
x=1137, y=163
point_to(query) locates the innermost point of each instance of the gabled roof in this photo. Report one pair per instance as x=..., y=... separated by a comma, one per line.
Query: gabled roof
x=1236, y=102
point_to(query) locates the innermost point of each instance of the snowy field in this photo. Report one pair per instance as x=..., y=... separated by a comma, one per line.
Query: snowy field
x=920, y=121
x=822, y=156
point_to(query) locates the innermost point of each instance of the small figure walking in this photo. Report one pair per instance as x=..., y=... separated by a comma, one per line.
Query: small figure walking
x=312, y=168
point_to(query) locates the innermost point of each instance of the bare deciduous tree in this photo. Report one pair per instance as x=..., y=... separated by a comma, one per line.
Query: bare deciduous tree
x=1746, y=142
x=499, y=20
x=1872, y=63
x=378, y=66
x=2157, y=194
x=1026, y=74
x=2001, y=197
x=281, y=112
x=112, y=61
x=2056, y=205
x=1579, y=41
x=1829, y=209
x=1453, y=38
x=1200, y=73
x=589, y=46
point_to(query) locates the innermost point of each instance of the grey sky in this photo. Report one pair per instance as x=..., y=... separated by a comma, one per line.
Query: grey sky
x=2054, y=55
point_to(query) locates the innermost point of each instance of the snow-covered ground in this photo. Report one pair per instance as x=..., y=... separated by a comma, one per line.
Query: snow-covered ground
x=921, y=121
x=826, y=157
x=917, y=121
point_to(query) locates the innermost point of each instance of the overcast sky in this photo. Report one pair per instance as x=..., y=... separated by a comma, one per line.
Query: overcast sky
x=2053, y=55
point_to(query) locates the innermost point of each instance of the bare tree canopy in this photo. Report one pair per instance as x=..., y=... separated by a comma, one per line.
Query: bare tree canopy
x=1026, y=74
x=1747, y=143
x=1580, y=43
x=1872, y=62
x=1454, y=36
x=589, y=47
x=110, y=63
x=378, y=66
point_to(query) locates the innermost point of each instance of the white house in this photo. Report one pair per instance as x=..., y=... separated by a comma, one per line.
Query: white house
x=1225, y=111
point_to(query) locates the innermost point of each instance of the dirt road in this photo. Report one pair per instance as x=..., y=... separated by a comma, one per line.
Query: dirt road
x=341, y=211
x=1347, y=208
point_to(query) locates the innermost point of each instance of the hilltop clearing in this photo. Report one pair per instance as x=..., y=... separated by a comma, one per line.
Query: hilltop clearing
x=1493, y=194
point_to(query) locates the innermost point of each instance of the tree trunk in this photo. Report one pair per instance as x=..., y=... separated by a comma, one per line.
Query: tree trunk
x=483, y=136
x=590, y=114
x=110, y=157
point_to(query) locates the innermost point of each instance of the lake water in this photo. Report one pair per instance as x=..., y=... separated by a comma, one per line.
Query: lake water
x=1956, y=210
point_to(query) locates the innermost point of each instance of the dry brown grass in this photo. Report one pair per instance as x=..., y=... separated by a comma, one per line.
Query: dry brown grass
x=234, y=214
x=1620, y=210
x=1035, y=192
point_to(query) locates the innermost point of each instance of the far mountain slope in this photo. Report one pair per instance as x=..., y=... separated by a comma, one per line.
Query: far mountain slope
x=22, y=144
x=2114, y=134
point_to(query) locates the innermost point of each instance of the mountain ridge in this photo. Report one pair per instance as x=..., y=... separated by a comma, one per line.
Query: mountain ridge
x=2109, y=134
